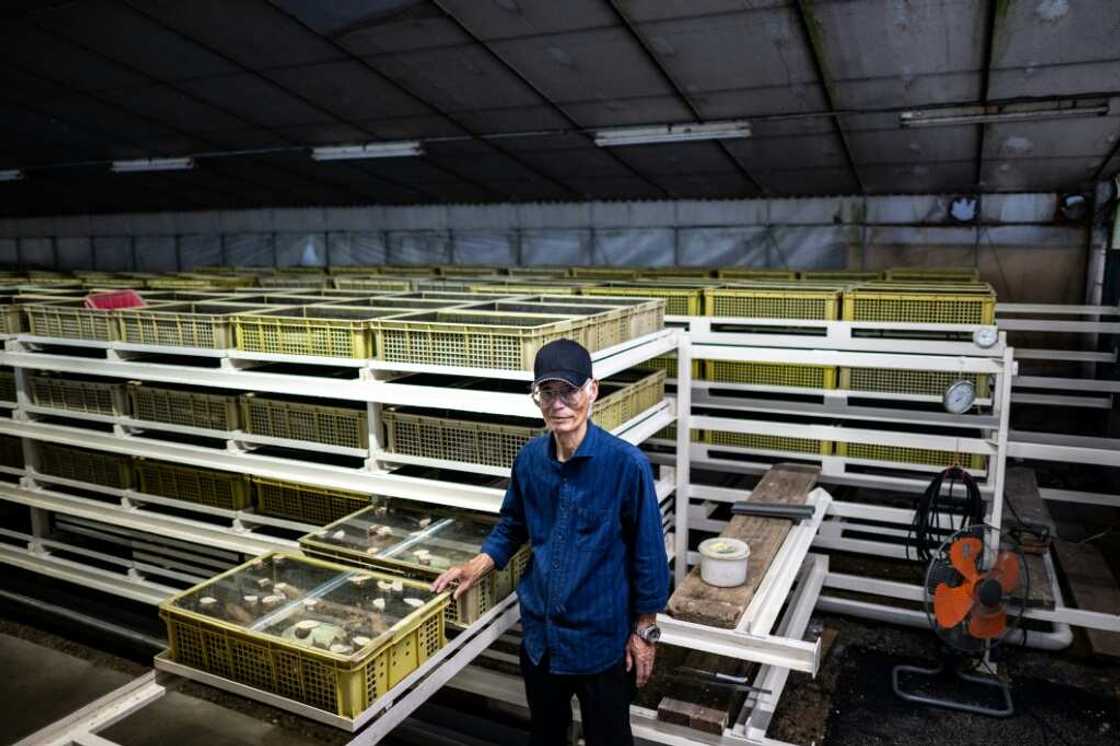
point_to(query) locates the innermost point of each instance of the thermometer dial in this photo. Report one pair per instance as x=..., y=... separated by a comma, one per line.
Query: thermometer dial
x=959, y=397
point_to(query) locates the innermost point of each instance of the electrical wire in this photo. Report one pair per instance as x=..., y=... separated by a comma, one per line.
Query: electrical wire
x=931, y=506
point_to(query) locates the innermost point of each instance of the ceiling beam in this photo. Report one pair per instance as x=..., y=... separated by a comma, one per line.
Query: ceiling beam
x=302, y=99
x=572, y=122
x=816, y=54
x=669, y=80
x=416, y=97
x=985, y=86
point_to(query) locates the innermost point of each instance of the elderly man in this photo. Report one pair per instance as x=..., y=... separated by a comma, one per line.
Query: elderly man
x=584, y=500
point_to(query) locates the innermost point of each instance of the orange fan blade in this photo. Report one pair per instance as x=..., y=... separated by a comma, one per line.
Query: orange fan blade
x=963, y=555
x=987, y=626
x=1006, y=571
x=951, y=605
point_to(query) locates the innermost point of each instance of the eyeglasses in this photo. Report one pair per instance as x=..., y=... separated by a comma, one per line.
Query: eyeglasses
x=570, y=395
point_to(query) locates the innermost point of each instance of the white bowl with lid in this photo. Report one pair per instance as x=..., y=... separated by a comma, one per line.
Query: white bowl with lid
x=723, y=562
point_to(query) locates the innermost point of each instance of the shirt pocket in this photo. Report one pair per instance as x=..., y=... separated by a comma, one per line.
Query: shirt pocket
x=591, y=522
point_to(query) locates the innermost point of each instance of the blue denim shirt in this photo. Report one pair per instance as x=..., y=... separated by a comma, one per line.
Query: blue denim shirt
x=598, y=549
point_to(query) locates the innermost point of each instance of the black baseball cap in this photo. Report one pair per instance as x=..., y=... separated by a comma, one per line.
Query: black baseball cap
x=562, y=360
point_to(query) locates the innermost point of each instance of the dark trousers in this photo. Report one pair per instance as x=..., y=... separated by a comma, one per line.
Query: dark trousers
x=604, y=703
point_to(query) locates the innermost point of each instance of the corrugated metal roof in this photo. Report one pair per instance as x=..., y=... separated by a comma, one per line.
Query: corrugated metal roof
x=108, y=79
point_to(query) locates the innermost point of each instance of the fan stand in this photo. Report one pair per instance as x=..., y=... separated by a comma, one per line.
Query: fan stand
x=1007, y=710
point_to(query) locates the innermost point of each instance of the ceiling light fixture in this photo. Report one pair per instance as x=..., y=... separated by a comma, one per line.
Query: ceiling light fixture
x=12, y=175
x=398, y=149
x=153, y=164
x=672, y=133
x=994, y=115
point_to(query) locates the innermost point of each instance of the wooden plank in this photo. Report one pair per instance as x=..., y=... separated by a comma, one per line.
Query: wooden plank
x=1093, y=587
x=695, y=600
x=1026, y=504
x=1042, y=595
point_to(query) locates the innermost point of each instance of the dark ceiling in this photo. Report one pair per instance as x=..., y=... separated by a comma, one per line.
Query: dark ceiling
x=88, y=81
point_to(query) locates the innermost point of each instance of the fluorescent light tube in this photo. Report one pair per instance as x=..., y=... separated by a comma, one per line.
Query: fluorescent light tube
x=12, y=175
x=978, y=115
x=153, y=164
x=398, y=149
x=672, y=133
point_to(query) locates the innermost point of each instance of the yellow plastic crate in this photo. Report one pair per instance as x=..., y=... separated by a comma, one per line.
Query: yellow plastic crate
x=315, y=423
x=225, y=281
x=90, y=397
x=186, y=407
x=537, y=271
x=771, y=374
x=409, y=270
x=769, y=442
x=7, y=385
x=388, y=284
x=218, y=489
x=609, y=273
x=305, y=502
x=251, y=648
x=679, y=301
x=640, y=316
x=609, y=324
x=929, y=382
x=676, y=273
x=901, y=304
x=773, y=301
x=296, y=281
x=84, y=465
x=322, y=330
x=932, y=274
x=178, y=283
x=11, y=316
x=354, y=540
x=524, y=287
x=70, y=319
x=208, y=325
x=748, y=273
x=475, y=340
x=455, y=270
x=11, y=452
x=839, y=275
x=668, y=363
x=902, y=454
x=496, y=441
x=670, y=433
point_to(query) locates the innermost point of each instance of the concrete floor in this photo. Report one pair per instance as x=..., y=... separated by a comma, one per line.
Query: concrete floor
x=62, y=683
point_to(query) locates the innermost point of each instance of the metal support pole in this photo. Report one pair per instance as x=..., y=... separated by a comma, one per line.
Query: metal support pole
x=684, y=440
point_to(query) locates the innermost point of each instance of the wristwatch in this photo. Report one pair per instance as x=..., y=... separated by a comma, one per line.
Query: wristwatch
x=650, y=633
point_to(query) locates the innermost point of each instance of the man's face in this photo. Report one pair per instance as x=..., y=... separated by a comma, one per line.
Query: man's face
x=564, y=407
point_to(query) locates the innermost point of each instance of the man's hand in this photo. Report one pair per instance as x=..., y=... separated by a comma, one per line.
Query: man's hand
x=466, y=575
x=640, y=654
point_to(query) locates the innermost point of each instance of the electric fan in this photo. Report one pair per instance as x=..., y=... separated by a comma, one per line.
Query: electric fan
x=975, y=592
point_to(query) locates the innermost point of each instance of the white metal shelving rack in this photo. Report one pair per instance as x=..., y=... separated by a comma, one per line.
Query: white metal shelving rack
x=246, y=532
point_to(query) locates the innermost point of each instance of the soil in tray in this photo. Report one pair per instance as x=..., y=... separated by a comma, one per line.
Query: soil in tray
x=305, y=604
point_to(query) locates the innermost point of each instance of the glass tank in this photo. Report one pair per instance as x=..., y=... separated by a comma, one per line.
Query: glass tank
x=398, y=533
x=307, y=602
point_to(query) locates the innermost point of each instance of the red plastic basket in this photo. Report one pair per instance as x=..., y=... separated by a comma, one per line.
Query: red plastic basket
x=114, y=299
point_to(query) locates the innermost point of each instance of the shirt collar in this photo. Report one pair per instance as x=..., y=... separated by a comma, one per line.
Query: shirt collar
x=586, y=447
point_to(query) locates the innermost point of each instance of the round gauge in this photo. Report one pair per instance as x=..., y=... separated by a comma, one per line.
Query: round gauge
x=985, y=337
x=959, y=397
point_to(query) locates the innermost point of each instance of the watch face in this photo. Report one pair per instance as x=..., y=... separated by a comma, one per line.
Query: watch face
x=651, y=634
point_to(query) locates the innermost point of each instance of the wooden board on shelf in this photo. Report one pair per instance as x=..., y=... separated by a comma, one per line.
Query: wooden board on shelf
x=696, y=601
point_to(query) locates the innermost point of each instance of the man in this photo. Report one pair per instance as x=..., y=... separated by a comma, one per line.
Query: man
x=584, y=499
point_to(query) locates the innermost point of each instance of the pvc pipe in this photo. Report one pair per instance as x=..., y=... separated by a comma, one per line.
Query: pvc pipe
x=1059, y=639
x=76, y=616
